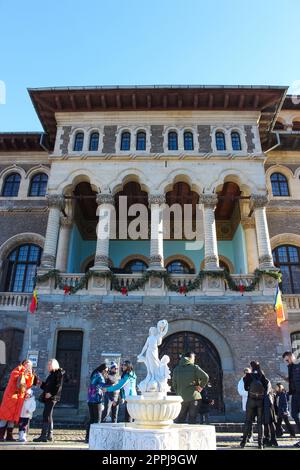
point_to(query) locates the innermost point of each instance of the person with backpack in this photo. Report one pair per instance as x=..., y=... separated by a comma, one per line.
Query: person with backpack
x=188, y=381
x=256, y=385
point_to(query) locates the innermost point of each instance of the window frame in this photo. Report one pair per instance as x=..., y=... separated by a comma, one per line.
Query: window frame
x=127, y=133
x=183, y=263
x=279, y=184
x=191, y=134
x=172, y=133
x=232, y=135
x=40, y=183
x=78, y=133
x=135, y=260
x=139, y=133
x=289, y=264
x=13, y=183
x=219, y=133
x=92, y=134
x=12, y=270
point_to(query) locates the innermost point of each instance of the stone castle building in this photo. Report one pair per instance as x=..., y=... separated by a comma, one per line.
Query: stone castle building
x=230, y=153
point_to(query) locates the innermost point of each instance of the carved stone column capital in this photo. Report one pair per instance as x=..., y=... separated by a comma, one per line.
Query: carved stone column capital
x=66, y=222
x=56, y=200
x=258, y=201
x=156, y=199
x=208, y=200
x=248, y=223
x=105, y=198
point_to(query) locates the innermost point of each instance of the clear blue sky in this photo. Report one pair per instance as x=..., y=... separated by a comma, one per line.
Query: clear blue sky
x=124, y=42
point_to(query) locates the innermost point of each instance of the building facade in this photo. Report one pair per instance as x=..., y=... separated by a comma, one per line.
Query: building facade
x=223, y=161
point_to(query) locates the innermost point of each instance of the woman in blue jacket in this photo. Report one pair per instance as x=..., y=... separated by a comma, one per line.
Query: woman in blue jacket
x=127, y=386
x=95, y=396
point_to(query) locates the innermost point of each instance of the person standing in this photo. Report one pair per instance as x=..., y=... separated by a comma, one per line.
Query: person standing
x=294, y=387
x=95, y=396
x=256, y=385
x=244, y=395
x=282, y=409
x=269, y=418
x=52, y=388
x=204, y=405
x=20, y=380
x=127, y=386
x=28, y=408
x=111, y=399
x=188, y=380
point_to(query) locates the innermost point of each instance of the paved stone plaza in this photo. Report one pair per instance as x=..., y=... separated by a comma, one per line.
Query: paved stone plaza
x=73, y=439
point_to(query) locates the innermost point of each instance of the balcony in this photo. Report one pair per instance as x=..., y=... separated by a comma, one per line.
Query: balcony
x=14, y=301
x=292, y=302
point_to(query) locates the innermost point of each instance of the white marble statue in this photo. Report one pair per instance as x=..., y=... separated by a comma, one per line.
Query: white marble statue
x=158, y=371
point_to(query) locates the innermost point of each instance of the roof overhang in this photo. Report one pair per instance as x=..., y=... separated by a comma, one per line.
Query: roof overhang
x=264, y=99
x=23, y=142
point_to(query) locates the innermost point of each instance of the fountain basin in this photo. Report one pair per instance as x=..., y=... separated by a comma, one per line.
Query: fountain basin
x=153, y=409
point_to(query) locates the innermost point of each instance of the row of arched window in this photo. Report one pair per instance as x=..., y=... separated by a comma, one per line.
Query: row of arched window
x=22, y=263
x=140, y=143
x=37, y=187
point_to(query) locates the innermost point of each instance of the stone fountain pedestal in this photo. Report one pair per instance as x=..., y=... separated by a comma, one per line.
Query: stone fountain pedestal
x=153, y=428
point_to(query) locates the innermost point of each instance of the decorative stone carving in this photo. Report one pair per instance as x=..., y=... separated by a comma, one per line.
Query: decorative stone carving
x=155, y=282
x=156, y=199
x=208, y=200
x=56, y=200
x=214, y=282
x=66, y=222
x=117, y=436
x=258, y=201
x=101, y=260
x=99, y=282
x=104, y=198
x=248, y=223
x=211, y=260
x=158, y=371
x=48, y=261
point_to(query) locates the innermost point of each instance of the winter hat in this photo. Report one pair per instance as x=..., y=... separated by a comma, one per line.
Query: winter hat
x=113, y=364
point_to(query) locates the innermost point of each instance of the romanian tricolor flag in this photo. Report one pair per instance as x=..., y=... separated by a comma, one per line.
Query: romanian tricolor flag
x=34, y=302
x=278, y=307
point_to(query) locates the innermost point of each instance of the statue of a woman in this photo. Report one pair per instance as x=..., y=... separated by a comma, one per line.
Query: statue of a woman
x=149, y=355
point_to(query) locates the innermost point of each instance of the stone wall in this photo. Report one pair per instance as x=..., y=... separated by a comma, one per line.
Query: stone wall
x=283, y=222
x=240, y=330
x=18, y=223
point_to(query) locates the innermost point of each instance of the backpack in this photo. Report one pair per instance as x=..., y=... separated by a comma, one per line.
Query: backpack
x=256, y=389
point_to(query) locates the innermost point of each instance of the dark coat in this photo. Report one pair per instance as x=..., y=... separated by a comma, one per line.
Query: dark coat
x=53, y=384
x=250, y=377
x=269, y=415
x=294, y=379
x=282, y=403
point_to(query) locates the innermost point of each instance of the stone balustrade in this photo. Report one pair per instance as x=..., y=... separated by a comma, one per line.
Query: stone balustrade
x=14, y=301
x=292, y=302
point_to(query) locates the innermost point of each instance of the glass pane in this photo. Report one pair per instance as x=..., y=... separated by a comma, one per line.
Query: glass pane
x=177, y=267
x=125, y=141
x=136, y=266
x=282, y=254
x=236, y=142
x=141, y=141
x=172, y=141
x=13, y=255
x=286, y=280
x=188, y=141
x=19, y=276
x=295, y=270
x=29, y=281
x=34, y=253
x=23, y=253
x=78, y=142
x=94, y=142
x=293, y=254
x=220, y=141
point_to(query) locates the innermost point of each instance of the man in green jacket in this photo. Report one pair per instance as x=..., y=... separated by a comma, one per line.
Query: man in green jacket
x=188, y=380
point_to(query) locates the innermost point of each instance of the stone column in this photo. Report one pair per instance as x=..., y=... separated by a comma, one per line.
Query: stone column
x=63, y=244
x=105, y=208
x=211, y=257
x=156, y=259
x=56, y=203
x=251, y=243
x=258, y=205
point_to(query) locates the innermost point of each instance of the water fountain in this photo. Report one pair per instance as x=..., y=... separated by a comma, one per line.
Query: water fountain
x=153, y=411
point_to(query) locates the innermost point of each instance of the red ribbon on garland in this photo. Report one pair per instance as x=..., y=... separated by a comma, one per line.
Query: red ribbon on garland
x=124, y=291
x=182, y=290
x=242, y=288
x=67, y=290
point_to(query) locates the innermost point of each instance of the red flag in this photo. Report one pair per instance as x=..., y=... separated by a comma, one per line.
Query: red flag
x=34, y=302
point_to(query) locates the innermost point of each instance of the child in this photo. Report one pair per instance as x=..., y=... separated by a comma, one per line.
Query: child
x=282, y=411
x=28, y=408
x=204, y=406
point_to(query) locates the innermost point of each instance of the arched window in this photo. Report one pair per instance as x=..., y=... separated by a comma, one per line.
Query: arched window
x=125, y=141
x=78, y=143
x=94, y=142
x=178, y=267
x=296, y=126
x=188, y=141
x=21, y=268
x=172, y=141
x=224, y=266
x=38, y=185
x=11, y=185
x=287, y=259
x=141, y=141
x=220, y=141
x=236, y=141
x=135, y=266
x=279, y=184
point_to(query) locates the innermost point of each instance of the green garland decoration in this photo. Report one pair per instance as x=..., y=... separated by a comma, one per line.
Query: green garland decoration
x=169, y=283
